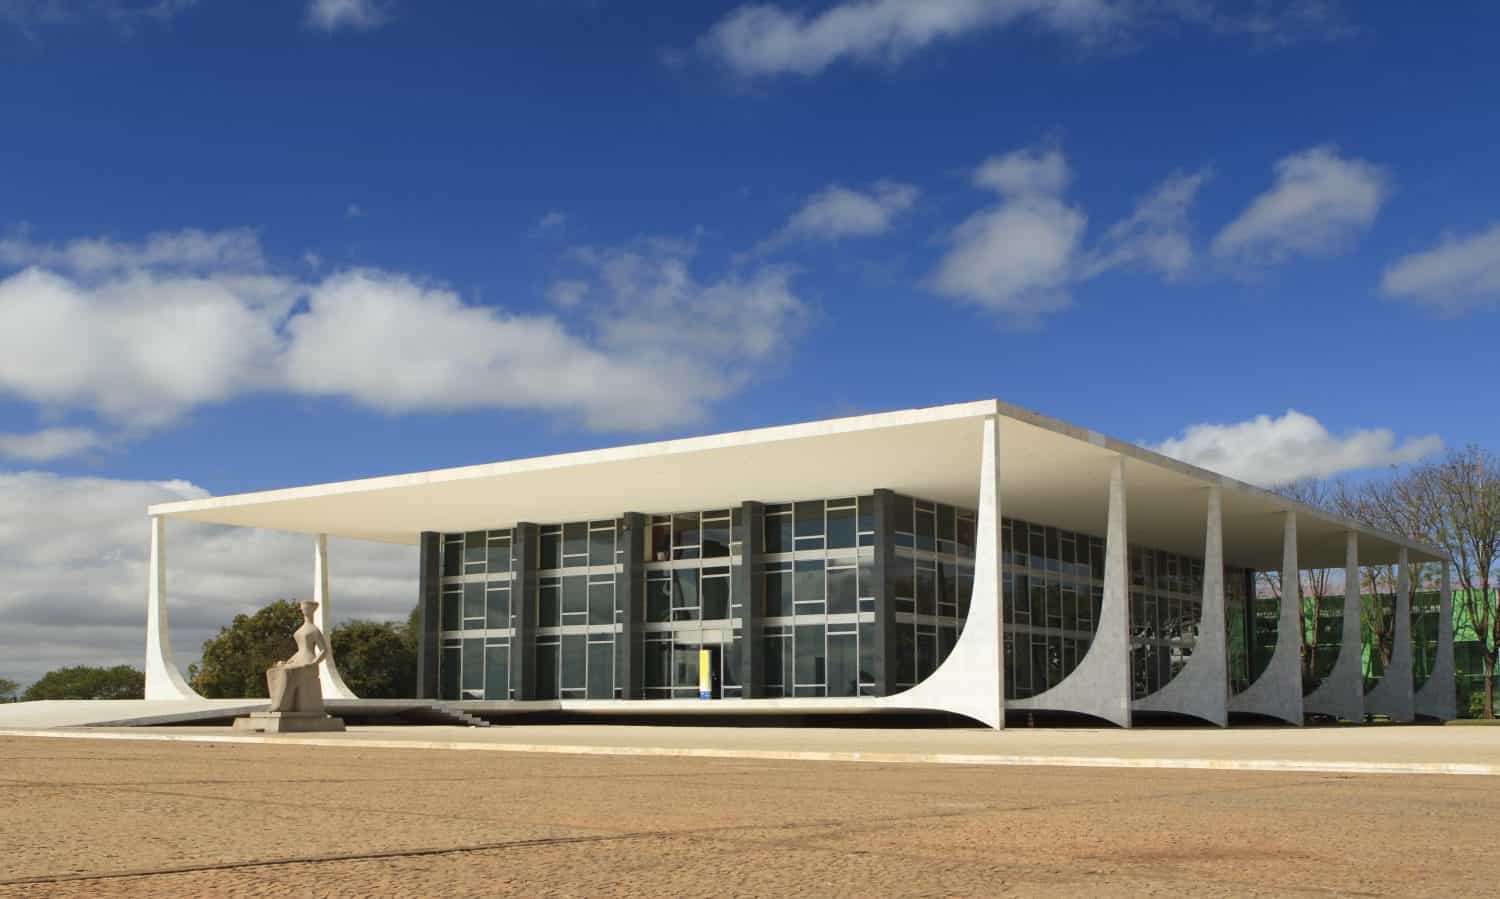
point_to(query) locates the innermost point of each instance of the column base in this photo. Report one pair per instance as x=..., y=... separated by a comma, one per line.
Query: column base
x=289, y=723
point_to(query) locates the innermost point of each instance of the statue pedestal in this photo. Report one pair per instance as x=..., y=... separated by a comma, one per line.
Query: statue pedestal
x=288, y=723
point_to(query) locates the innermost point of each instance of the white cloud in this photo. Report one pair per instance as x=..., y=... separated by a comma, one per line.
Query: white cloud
x=1156, y=234
x=123, y=14
x=764, y=39
x=1317, y=204
x=74, y=555
x=551, y=221
x=1458, y=273
x=837, y=211
x=1271, y=451
x=1016, y=257
x=138, y=341
x=188, y=250
x=568, y=292
x=331, y=15
x=354, y=211
x=49, y=444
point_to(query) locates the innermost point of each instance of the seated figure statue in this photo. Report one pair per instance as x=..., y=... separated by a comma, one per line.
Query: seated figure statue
x=296, y=695
x=293, y=684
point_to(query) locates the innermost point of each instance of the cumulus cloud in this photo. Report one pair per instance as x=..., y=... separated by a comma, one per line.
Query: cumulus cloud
x=1460, y=272
x=1270, y=451
x=1018, y=256
x=122, y=14
x=568, y=292
x=331, y=15
x=49, y=444
x=765, y=39
x=552, y=221
x=1318, y=203
x=74, y=555
x=1156, y=235
x=836, y=212
x=139, y=335
x=189, y=250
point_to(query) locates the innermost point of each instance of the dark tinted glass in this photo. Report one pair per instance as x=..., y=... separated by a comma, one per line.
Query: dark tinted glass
x=811, y=659
x=715, y=538
x=778, y=593
x=658, y=600
x=497, y=608
x=843, y=665
x=473, y=603
x=551, y=551
x=575, y=597
x=715, y=597
x=841, y=529
x=574, y=661
x=601, y=604
x=601, y=671
x=841, y=594
x=778, y=533
x=809, y=519
x=497, y=672
x=601, y=547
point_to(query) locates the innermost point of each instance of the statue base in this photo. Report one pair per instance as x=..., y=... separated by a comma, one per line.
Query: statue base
x=289, y=723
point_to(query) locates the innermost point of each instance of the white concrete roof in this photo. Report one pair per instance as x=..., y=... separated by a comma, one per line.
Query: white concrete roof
x=1050, y=472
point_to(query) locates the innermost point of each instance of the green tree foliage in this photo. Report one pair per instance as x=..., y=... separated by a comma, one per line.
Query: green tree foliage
x=8, y=689
x=89, y=682
x=378, y=660
x=235, y=661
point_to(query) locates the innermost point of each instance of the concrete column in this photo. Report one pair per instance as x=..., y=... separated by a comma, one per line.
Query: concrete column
x=630, y=586
x=525, y=553
x=750, y=588
x=1437, y=699
x=163, y=679
x=1101, y=684
x=1394, y=695
x=1201, y=688
x=429, y=597
x=971, y=680
x=888, y=644
x=1277, y=693
x=328, y=673
x=1342, y=693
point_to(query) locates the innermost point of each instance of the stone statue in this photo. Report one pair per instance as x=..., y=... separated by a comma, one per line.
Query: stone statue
x=296, y=695
x=293, y=684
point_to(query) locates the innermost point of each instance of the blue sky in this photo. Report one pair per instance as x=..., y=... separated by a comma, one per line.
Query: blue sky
x=246, y=246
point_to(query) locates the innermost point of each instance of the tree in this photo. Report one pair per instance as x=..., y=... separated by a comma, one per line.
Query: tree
x=88, y=682
x=378, y=660
x=8, y=689
x=235, y=661
x=1465, y=487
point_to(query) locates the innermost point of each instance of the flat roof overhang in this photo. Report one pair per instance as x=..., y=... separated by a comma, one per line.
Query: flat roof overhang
x=1050, y=473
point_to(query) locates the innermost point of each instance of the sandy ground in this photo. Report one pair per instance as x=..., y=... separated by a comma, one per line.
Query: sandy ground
x=130, y=819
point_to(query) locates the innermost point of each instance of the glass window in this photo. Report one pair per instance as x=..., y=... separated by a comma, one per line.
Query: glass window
x=453, y=558
x=497, y=607
x=473, y=668
x=575, y=543
x=602, y=603
x=715, y=537
x=601, y=670
x=778, y=533
x=945, y=524
x=809, y=586
x=658, y=664
x=474, y=552
x=867, y=652
x=453, y=609
x=685, y=594
x=574, y=661
x=715, y=596
x=926, y=528
x=841, y=529
x=551, y=550
x=548, y=596
x=661, y=542
x=497, y=672
x=843, y=664
x=685, y=530
x=809, y=519
x=926, y=591
x=811, y=658
x=451, y=667
x=778, y=592
x=866, y=514
x=546, y=670
x=841, y=595
x=473, y=605
x=575, y=599
x=901, y=514
x=499, y=556
x=602, y=547
x=658, y=599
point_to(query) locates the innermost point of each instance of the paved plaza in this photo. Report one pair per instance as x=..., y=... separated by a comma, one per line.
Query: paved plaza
x=133, y=817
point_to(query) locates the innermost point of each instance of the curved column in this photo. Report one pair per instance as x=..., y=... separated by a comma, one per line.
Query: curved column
x=1342, y=693
x=163, y=679
x=1392, y=695
x=1277, y=693
x=328, y=673
x=1437, y=699
x=1201, y=688
x=1100, y=684
x=971, y=680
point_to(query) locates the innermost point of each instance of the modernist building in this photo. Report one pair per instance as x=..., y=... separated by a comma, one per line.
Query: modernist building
x=973, y=558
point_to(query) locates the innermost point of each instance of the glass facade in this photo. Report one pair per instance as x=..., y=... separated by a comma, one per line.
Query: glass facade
x=822, y=611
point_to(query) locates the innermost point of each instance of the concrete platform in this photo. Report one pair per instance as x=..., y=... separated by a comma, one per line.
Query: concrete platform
x=1364, y=750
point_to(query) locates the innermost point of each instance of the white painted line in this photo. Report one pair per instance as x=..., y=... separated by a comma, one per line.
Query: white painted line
x=889, y=758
